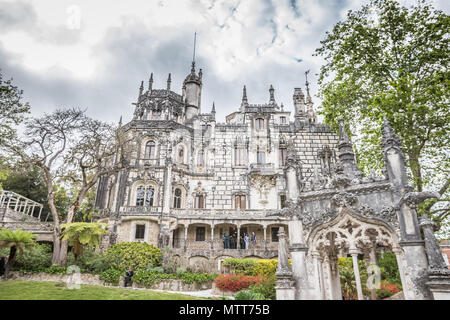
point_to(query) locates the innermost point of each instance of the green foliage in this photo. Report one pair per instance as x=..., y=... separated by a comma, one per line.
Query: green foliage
x=148, y=278
x=18, y=238
x=266, y=289
x=35, y=259
x=86, y=233
x=90, y=261
x=387, y=60
x=347, y=277
x=12, y=109
x=56, y=270
x=112, y=276
x=248, y=295
x=239, y=265
x=132, y=255
x=388, y=267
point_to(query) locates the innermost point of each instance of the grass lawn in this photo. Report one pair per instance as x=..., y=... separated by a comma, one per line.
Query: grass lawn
x=33, y=290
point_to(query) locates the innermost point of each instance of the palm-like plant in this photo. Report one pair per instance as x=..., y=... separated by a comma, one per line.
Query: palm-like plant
x=15, y=240
x=80, y=234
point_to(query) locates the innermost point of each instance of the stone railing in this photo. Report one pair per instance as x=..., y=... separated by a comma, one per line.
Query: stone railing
x=139, y=210
x=29, y=226
x=219, y=212
x=218, y=244
x=262, y=167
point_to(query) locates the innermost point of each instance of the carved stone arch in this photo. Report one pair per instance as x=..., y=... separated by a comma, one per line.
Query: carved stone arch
x=184, y=193
x=137, y=182
x=350, y=229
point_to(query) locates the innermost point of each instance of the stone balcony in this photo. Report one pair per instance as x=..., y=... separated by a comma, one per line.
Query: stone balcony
x=262, y=168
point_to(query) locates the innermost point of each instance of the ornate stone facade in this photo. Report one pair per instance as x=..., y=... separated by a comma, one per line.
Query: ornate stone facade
x=191, y=181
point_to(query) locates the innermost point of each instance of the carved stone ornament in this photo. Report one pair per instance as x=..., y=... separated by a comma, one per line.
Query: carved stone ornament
x=414, y=198
x=344, y=199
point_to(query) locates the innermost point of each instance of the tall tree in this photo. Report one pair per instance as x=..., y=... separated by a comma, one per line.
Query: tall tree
x=73, y=150
x=387, y=60
x=12, y=109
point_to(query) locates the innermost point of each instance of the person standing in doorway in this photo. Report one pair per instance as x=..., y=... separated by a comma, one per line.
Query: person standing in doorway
x=246, y=240
x=227, y=240
x=253, y=239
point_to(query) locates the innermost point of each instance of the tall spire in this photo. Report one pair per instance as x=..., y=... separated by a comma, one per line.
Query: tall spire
x=308, y=97
x=141, y=89
x=213, y=110
x=169, y=80
x=193, y=54
x=150, y=82
x=272, y=96
x=244, y=96
x=346, y=154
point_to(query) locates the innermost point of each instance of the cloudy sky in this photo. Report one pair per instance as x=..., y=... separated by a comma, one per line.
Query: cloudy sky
x=93, y=54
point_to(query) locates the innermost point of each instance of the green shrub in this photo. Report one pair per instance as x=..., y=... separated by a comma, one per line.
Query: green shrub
x=248, y=295
x=388, y=267
x=34, y=259
x=238, y=265
x=112, y=276
x=134, y=255
x=267, y=289
x=89, y=262
x=55, y=270
x=150, y=277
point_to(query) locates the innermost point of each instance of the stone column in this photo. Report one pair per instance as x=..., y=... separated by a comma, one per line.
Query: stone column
x=238, y=236
x=298, y=251
x=410, y=236
x=285, y=289
x=212, y=236
x=409, y=295
x=373, y=261
x=439, y=274
x=321, y=277
x=354, y=255
x=317, y=280
x=326, y=261
x=185, y=236
x=265, y=237
x=336, y=278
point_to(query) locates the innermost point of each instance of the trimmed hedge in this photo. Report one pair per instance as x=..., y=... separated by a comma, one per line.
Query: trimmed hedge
x=148, y=278
x=252, y=267
x=134, y=255
x=112, y=276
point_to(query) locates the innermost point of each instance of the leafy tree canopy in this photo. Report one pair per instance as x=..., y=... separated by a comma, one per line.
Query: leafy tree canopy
x=386, y=60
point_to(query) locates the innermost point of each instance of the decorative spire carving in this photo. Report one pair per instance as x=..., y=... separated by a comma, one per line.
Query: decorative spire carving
x=169, y=80
x=244, y=96
x=150, y=82
x=213, y=110
x=141, y=89
x=346, y=154
x=272, y=96
x=389, y=137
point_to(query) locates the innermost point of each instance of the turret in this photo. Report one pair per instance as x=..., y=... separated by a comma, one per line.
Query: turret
x=192, y=90
x=299, y=103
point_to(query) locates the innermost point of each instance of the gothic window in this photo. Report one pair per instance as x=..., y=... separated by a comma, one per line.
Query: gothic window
x=199, y=202
x=259, y=124
x=150, y=149
x=156, y=114
x=177, y=199
x=145, y=196
x=200, y=233
x=240, y=201
x=260, y=157
x=201, y=158
x=240, y=156
x=283, y=120
x=283, y=155
x=181, y=155
x=140, y=194
x=274, y=231
x=140, y=232
x=283, y=201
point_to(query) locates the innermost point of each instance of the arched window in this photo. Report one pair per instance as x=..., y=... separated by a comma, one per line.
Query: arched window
x=259, y=124
x=283, y=156
x=145, y=196
x=201, y=158
x=199, y=202
x=177, y=198
x=140, y=193
x=150, y=149
x=181, y=155
x=240, y=201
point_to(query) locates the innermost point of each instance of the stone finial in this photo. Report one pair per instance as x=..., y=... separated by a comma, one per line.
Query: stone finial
x=343, y=135
x=150, y=82
x=120, y=122
x=244, y=96
x=200, y=74
x=213, y=110
x=169, y=80
x=141, y=89
x=272, y=96
x=193, y=67
x=389, y=137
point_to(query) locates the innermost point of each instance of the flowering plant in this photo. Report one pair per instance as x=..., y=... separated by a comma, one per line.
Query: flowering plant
x=388, y=289
x=237, y=282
